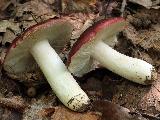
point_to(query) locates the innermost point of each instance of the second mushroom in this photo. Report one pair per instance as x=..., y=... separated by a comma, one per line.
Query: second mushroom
x=94, y=45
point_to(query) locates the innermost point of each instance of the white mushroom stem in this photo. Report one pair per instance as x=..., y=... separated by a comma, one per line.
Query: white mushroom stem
x=61, y=81
x=130, y=68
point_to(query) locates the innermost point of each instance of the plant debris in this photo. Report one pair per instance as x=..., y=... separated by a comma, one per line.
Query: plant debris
x=147, y=3
x=62, y=113
x=16, y=102
x=29, y=97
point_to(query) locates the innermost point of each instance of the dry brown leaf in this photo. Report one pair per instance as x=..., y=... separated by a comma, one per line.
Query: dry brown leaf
x=80, y=22
x=9, y=36
x=39, y=106
x=145, y=99
x=111, y=111
x=31, y=10
x=4, y=24
x=145, y=38
x=0, y=39
x=6, y=114
x=87, y=2
x=142, y=30
x=150, y=102
x=46, y=112
x=4, y=4
x=49, y=1
x=78, y=5
x=62, y=113
x=146, y=3
x=16, y=102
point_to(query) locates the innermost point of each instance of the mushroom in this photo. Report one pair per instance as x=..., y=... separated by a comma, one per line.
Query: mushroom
x=93, y=45
x=34, y=46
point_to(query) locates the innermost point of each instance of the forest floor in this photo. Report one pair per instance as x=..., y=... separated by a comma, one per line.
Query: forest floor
x=29, y=97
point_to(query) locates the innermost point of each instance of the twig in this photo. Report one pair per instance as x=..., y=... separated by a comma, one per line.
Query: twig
x=150, y=117
x=14, y=103
x=58, y=5
x=124, y=2
x=108, y=2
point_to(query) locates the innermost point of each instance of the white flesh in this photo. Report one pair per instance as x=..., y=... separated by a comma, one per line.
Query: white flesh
x=61, y=81
x=130, y=68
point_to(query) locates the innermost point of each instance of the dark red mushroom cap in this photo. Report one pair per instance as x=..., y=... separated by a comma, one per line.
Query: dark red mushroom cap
x=18, y=58
x=79, y=59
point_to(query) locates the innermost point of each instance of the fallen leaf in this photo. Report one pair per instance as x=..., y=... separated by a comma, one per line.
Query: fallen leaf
x=62, y=113
x=9, y=36
x=87, y=2
x=6, y=114
x=4, y=24
x=78, y=5
x=111, y=111
x=16, y=103
x=46, y=112
x=49, y=1
x=4, y=4
x=141, y=33
x=146, y=3
x=150, y=102
x=31, y=10
x=0, y=40
x=87, y=24
x=144, y=99
x=39, y=108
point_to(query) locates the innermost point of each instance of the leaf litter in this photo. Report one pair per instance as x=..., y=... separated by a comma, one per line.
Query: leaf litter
x=140, y=39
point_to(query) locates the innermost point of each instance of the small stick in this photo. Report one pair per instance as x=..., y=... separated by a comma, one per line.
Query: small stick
x=108, y=2
x=124, y=2
x=15, y=102
x=59, y=5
